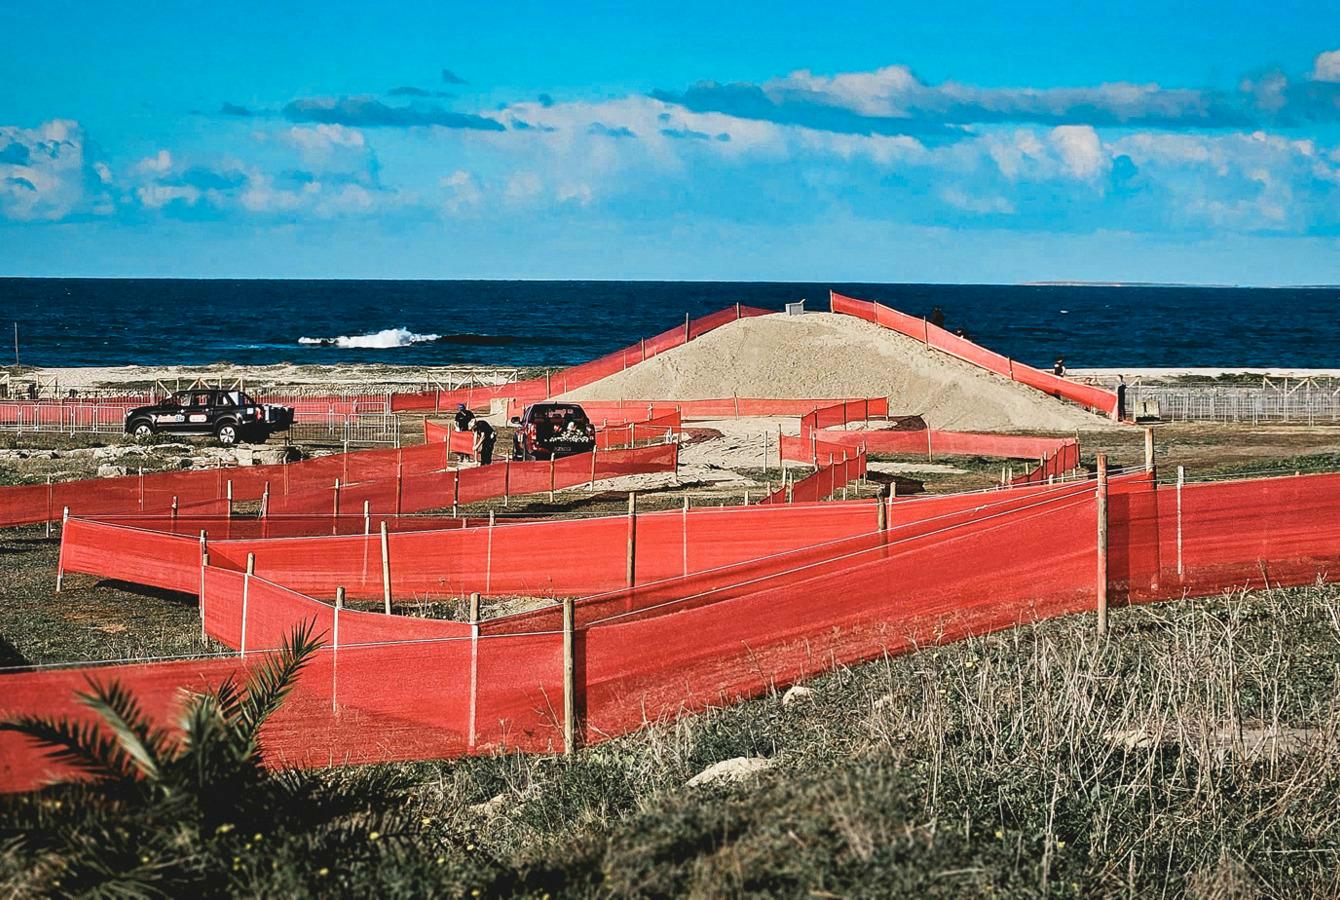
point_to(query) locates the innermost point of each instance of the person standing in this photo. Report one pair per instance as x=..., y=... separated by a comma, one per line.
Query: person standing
x=463, y=417
x=485, y=438
x=1059, y=369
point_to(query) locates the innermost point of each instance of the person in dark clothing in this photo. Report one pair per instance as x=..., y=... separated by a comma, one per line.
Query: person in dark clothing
x=485, y=438
x=1059, y=369
x=463, y=417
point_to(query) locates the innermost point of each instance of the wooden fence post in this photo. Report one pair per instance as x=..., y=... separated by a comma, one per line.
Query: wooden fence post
x=246, y=596
x=174, y=511
x=335, y=649
x=632, y=538
x=335, y=509
x=455, y=491
x=1101, y=504
x=569, y=681
x=552, y=464
x=592, y=485
x=367, y=517
x=507, y=479
x=1149, y=450
x=474, y=607
x=60, y=560
x=386, y=570
x=204, y=564
x=686, y=328
x=1181, y=480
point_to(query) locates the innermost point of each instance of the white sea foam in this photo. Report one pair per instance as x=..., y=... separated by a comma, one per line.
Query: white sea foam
x=381, y=340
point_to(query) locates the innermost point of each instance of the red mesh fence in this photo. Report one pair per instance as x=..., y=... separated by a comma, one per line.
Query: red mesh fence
x=934, y=336
x=827, y=479
x=1056, y=463
x=400, y=688
x=393, y=480
x=462, y=442
x=1057, y=456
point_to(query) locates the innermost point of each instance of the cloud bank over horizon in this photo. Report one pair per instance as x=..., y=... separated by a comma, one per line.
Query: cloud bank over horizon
x=801, y=149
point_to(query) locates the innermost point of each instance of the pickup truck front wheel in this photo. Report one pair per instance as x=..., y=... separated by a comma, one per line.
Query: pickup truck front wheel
x=226, y=433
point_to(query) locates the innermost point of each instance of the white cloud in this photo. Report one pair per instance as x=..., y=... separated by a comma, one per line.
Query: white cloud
x=322, y=139
x=1081, y=151
x=1015, y=152
x=523, y=187
x=159, y=163
x=156, y=196
x=976, y=203
x=1326, y=67
x=44, y=175
x=463, y=191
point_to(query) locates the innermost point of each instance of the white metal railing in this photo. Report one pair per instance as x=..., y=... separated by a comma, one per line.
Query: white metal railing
x=1305, y=402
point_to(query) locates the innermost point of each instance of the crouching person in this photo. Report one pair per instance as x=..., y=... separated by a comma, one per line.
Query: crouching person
x=485, y=438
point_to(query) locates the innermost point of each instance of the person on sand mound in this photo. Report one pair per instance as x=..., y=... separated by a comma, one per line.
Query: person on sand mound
x=485, y=438
x=1059, y=369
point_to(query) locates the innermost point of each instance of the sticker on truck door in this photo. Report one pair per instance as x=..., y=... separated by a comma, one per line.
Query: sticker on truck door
x=199, y=417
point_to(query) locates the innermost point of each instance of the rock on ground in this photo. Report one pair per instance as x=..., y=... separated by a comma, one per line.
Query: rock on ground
x=797, y=694
x=740, y=768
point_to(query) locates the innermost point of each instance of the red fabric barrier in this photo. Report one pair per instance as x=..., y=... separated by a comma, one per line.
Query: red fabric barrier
x=462, y=442
x=933, y=336
x=945, y=567
x=826, y=480
x=1057, y=456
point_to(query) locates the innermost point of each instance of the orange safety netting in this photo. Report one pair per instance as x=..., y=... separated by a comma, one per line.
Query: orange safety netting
x=827, y=479
x=934, y=336
x=395, y=688
x=1056, y=456
x=395, y=480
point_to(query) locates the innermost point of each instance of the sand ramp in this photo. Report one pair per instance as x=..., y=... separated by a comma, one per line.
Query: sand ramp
x=828, y=355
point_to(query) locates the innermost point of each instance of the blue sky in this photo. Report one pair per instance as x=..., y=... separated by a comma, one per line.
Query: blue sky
x=949, y=142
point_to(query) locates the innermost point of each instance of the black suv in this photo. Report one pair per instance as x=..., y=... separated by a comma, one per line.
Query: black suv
x=546, y=430
x=229, y=415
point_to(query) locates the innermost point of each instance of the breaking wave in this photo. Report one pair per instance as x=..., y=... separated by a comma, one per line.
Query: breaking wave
x=401, y=337
x=381, y=340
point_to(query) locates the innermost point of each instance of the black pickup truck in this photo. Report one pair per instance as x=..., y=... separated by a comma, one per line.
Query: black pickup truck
x=231, y=416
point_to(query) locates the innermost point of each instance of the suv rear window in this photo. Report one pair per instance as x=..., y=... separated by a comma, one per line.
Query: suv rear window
x=558, y=414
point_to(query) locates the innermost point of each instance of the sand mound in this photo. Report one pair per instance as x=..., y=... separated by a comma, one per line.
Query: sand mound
x=827, y=355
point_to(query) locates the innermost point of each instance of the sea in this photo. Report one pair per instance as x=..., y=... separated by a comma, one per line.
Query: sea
x=78, y=322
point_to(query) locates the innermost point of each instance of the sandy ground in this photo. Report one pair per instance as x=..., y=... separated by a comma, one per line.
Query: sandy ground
x=827, y=355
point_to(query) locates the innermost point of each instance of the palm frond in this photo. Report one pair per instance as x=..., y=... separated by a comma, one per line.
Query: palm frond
x=80, y=745
x=145, y=745
x=275, y=679
x=228, y=695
